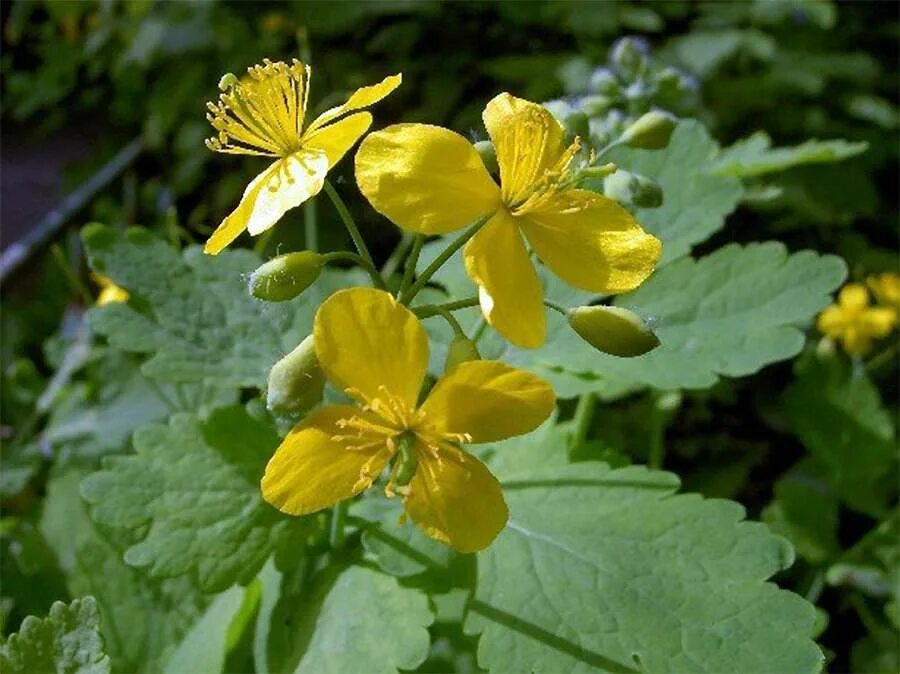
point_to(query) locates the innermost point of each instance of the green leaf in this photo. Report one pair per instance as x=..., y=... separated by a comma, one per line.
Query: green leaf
x=727, y=314
x=609, y=570
x=204, y=647
x=67, y=640
x=837, y=413
x=193, y=311
x=755, y=156
x=190, y=498
x=696, y=200
x=347, y=619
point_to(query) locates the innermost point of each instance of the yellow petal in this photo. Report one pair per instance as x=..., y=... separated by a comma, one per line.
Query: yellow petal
x=854, y=296
x=457, y=501
x=424, y=178
x=285, y=184
x=335, y=139
x=311, y=470
x=489, y=400
x=509, y=291
x=832, y=321
x=591, y=242
x=361, y=98
x=366, y=342
x=878, y=321
x=527, y=139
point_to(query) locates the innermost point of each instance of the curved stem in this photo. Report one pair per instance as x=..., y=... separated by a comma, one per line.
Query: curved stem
x=338, y=516
x=427, y=310
x=392, y=264
x=411, y=262
x=556, y=307
x=454, y=324
x=353, y=230
x=445, y=255
x=377, y=280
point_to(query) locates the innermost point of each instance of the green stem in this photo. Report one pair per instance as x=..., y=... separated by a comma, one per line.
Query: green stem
x=63, y=263
x=454, y=324
x=584, y=414
x=377, y=279
x=310, y=228
x=411, y=263
x=480, y=327
x=427, y=310
x=657, y=452
x=556, y=307
x=352, y=229
x=338, y=516
x=392, y=264
x=445, y=255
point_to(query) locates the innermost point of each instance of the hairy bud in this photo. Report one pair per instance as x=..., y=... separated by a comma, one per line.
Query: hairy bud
x=296, y=382
x=651, y=131
x=286, y=276
x=613, y=330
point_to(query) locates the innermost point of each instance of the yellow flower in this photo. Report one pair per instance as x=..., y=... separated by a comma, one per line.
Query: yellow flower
x=375, y=349
x=853, y=322
x=886, y=288
x=109, y=291
x=263, y=114
x=431, y=180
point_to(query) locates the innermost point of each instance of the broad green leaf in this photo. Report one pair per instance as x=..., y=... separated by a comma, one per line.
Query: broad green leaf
x=193, y=312
x=696, y=201
x=67, y=641
x=345, y=619
x=837, y=413
x=611, y=571
x=190, y=498
x=727, y=314
x=204, y=647
x=755, y=156
x=142, y=621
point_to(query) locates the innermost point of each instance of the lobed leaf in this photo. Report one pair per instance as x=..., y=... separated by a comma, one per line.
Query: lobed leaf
x=755, y=156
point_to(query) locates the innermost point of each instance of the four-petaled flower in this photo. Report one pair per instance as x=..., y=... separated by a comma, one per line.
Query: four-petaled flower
x=431, y=180
x=853, y=322
x=263, y=114
x=375, y=350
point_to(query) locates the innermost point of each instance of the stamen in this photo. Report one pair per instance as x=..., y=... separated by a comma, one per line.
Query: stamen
x=263, y=113
x=555, y=180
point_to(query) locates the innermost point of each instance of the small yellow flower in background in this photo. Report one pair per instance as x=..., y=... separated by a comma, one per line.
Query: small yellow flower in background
x=376, y=350
x=264, y=115
x=431, y=180
x=886, y=289
x=109, y=291
x=853, y=322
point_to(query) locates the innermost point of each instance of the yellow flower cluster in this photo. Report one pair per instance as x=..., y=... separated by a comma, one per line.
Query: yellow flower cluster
x=854, y=322
x=427, y=180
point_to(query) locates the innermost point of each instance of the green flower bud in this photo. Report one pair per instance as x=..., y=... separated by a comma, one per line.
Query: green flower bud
x=595, y=105
x=651, y=131
x=628, y=56
x=461, y=349
x=296, y=382
x=286, y=276
x=485, y=149
x=603, y=82
x=613, y=330
x=633, y=189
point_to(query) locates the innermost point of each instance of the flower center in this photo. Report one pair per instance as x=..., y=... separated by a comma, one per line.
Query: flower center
x=558, y=178
x=263, y=113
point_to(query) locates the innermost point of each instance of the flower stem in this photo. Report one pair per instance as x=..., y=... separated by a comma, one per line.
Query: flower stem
x=336, y=533
x=427, y=310
x=445, y=255
x=352, y=229
x=310, y=230
x=556, y=307
x=584, y=414
x=377, y=279
x=392, y=264
x=411, y=262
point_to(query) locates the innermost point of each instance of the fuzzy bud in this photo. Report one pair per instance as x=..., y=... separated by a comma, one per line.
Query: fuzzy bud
x=613, y=330
x=651, y=131
x=286, y=276
x=296, y=382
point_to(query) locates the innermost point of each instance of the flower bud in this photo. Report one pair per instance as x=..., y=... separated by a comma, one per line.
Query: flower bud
x=628, y=56
x=286, y=276
x=296, y=382
x=594, y=105
x=634, y=189
x=651, y=131
x=613, y=330
x=603, y=82
x=485, y=150
x=461, y=349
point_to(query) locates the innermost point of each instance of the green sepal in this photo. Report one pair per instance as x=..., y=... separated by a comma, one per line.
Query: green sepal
x=296, y=382
x=651, y=131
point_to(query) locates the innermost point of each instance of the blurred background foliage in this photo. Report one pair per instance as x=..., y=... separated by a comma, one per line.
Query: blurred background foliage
x=82, y=80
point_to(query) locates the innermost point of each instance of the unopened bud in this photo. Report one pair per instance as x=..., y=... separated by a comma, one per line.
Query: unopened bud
x=628, y=56
x=296, y=382
x=461, y=350
x=651, y=131
x=594, y=105
x=485, y=149
x=633, y=189
x=604, y=82
x=613, y=330
x=286, y=276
